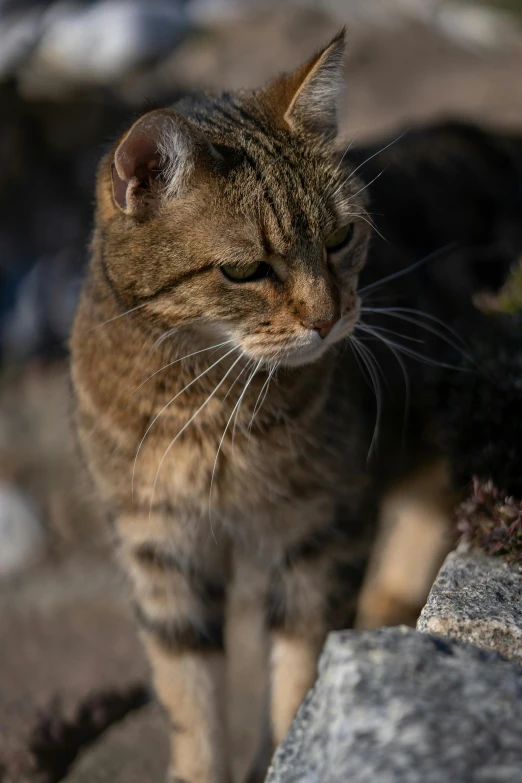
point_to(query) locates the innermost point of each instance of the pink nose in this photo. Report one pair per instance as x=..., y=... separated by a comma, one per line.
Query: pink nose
x=324, y=327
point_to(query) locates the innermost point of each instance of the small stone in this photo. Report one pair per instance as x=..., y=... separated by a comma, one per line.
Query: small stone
x=133, y=751
x=397, y=706
x=21, y=533
x=477, y=599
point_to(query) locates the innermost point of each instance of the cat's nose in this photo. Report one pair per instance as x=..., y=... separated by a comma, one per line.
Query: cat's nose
x=323, y=328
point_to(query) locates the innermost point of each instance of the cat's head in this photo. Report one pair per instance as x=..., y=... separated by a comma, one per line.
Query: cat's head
x=235, y=216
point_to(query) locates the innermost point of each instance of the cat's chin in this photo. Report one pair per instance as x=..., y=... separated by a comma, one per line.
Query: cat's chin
x=306, y=349
x=309, y=354
x=302, y=357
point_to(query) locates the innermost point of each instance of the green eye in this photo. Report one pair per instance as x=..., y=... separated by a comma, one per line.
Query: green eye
x=245, y=273
x=339, y=238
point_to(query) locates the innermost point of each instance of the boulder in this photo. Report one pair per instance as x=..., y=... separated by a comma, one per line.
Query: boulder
x=397, y=706
x=477, y=599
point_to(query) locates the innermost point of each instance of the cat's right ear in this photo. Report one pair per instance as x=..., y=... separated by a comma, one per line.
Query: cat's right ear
x=307, y=99
x=154, y=160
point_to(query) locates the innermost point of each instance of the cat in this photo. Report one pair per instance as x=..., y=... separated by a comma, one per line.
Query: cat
x=220, y=405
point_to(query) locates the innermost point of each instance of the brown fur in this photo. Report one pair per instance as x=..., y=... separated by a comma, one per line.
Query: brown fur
x=201, y=457
x=414, y=538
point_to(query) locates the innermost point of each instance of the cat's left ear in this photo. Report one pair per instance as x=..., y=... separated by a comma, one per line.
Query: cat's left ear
x=308, y=98
x=162, y=149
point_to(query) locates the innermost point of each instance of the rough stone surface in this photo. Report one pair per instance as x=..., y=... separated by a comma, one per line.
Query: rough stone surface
x=133, y=751
x=477, y=599
x=397, y=706
x=67, y=637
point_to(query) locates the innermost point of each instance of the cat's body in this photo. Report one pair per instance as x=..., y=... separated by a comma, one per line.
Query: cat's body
x=230, y=232
x=211, y=231
x=309, y=527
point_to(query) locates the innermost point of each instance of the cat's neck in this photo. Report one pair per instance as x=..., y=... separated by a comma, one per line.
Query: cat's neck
x=189, y=367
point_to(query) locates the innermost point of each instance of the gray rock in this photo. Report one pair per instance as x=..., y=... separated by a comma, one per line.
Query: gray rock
x=397, y=706
x=477, y=599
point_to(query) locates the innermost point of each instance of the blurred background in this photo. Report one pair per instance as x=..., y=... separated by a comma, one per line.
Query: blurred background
x=73, y=75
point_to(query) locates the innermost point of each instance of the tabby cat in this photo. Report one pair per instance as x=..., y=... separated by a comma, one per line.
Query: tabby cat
x=219, y=404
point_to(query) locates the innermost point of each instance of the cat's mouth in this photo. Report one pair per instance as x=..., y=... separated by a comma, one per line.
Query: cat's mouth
x=306, y=348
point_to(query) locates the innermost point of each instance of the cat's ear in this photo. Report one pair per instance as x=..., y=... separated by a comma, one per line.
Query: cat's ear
x=155, y=159
x=308, y=97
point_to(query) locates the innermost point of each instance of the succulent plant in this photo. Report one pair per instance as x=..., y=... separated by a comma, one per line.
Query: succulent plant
x=492, y=521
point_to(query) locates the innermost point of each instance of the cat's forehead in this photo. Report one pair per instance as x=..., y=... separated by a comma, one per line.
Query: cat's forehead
x=268, y=176
x=240, y=127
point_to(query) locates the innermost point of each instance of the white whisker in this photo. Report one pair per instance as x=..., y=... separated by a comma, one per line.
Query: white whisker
x=247, y=365
x=373, y=375
x=155, y=419
x=374, y=155
x=176, y=361
x=163, y=337
x=236, y=406
x=174, y=330
x=430, y=257
x=333, y=178
x=378, y=368
x=419, y=356
x=115, y=318
x=407, y=391
x=182, y=430
x=255, y=369
x=361, y=190
x=264, y=388
x=391, y=331
x=399, y=312
x=365, y=216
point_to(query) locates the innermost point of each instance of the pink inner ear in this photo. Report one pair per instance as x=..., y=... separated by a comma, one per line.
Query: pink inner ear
x=138, y=159
x=135, y=161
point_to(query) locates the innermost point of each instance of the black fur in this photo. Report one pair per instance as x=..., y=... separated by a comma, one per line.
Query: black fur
x=459, y=187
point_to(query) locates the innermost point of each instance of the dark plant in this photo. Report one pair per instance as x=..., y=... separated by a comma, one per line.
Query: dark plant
x=492, y=521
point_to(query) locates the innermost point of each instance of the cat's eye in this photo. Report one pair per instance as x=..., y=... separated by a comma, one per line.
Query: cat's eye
x=246, y=273
x=339, y=238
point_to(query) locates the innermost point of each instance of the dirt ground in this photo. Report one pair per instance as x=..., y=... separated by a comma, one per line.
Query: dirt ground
x=74, y=702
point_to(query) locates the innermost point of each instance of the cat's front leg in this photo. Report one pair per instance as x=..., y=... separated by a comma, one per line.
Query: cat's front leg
x=298, y=625
x=180, y=602
x=312, y=592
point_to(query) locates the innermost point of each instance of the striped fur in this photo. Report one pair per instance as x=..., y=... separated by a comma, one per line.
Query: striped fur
x=202, y=457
